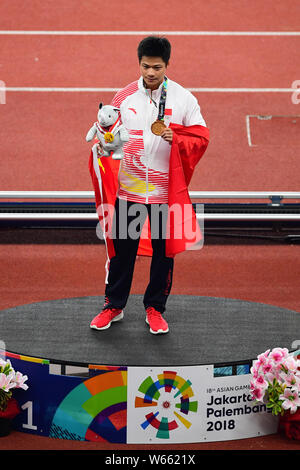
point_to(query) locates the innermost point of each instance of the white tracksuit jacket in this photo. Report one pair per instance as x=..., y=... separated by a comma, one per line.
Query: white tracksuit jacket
x=144, y=170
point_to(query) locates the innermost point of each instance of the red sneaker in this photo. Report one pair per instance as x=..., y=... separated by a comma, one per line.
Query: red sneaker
x=156, y=322
x=104, y=319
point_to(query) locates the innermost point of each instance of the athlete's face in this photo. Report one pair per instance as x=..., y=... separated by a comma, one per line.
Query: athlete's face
x=153, y=71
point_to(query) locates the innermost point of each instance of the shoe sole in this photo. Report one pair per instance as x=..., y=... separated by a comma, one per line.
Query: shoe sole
x=117, y=318
x=158, y=331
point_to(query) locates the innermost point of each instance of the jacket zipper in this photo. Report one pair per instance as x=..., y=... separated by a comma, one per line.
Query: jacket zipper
x=150, y=103
x=147, y=163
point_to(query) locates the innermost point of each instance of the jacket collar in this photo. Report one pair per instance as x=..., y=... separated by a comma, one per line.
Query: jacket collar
x=144, y=90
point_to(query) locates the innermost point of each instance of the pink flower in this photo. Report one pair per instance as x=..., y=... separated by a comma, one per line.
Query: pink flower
x=19, y=381
x=279, y=372
x=278, y=354
x=290, y=363
x=291, y=400
x=261, y=382
x=254, y=371
x=262, y=358
x=267, y=367
x=291, y=380
x=5, y=382
x=273, y=370
x=257, y=393
x=270, y=377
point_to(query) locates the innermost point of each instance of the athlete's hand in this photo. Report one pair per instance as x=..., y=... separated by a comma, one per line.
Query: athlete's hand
x=167, y=135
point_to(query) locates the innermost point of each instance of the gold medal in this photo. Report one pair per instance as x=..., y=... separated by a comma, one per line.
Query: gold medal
x=158, y=127
x=108, y=137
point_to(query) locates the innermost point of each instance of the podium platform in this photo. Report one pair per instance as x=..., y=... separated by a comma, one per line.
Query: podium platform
x=125, y=385
x=203, y=330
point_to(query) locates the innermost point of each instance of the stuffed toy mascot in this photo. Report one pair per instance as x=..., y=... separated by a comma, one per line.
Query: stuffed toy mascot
x=109, y=131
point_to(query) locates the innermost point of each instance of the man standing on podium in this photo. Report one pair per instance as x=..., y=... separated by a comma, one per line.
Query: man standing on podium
x=167, y=138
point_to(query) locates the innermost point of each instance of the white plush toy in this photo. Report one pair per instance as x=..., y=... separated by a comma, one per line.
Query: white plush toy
x=111, y=133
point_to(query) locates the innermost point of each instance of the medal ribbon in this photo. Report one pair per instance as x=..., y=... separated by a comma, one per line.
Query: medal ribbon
x=103, y=131
x=162, y=101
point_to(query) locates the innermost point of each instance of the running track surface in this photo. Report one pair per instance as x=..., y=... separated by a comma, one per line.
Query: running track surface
x=43, y=144
x=43, y=133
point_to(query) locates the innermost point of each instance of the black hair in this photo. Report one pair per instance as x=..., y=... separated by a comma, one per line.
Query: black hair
x=154, y=46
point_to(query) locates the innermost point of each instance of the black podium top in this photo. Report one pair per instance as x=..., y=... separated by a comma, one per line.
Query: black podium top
x=203, y=330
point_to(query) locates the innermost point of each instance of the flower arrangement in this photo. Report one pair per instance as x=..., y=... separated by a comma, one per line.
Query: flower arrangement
x=9, y=379
x=276, y=381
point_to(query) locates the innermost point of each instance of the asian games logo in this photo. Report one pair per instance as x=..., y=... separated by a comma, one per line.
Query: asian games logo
x=169, y=397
